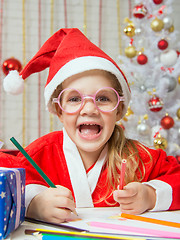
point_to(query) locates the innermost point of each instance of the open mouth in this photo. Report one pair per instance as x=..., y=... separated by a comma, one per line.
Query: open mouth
x=90, y=129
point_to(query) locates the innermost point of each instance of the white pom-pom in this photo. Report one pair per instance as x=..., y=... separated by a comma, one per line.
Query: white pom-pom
x=13, y=83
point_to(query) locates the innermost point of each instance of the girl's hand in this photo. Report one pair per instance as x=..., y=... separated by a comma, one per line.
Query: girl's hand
x=53, y=205
x=135, y=198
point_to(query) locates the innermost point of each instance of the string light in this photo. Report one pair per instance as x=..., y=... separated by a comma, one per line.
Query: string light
x=100, y=21
x=52, y=30
x=39, y=76
x=24, y=62
x=1, y=26
x=85, y=18
x=119, y=27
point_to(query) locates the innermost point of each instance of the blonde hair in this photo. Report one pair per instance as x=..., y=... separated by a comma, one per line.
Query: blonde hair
x=119, y=148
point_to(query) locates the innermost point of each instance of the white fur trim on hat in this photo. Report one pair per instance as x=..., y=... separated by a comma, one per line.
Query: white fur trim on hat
x=82, y=64
x=13, y=83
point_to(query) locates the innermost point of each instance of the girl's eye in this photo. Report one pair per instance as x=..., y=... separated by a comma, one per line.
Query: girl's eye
x=102, y=99
x=74, y=99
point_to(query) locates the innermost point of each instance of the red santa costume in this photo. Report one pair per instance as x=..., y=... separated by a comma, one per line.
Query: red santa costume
x=59, y=158
x=66, y=53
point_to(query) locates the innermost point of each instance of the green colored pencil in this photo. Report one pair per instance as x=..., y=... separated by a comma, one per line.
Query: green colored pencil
x=43, y=175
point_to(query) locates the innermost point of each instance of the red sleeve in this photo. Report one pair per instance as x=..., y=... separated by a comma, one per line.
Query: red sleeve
x=8, y=160
x=167, y=169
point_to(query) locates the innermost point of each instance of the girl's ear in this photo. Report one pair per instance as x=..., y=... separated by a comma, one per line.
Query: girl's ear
x=59, y=112
x=119, y=111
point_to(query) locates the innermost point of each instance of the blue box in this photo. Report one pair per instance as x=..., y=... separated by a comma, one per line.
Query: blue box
x=12, y=199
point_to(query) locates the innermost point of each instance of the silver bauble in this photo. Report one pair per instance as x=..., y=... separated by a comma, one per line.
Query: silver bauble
x=142, y=88
x=143, y=129
x=168, y=22
x=138, y=31
x=171, y=82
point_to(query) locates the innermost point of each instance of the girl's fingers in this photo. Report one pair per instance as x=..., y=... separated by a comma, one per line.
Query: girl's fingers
x=64, y=202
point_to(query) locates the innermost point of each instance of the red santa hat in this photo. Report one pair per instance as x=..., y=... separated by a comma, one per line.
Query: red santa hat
x=66, y=53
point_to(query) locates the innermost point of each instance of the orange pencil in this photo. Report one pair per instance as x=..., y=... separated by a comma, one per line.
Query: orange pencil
x=123, y=169
x=150, y=220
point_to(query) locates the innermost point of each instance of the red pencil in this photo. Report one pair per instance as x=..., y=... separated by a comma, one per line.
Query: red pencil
x=123, y=169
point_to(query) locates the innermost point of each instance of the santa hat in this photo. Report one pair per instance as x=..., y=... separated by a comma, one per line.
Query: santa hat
x=66, y=53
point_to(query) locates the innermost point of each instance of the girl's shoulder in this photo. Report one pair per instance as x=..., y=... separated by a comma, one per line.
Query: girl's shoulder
x=47, y=141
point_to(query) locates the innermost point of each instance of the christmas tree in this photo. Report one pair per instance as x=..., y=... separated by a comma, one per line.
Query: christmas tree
x=151, y=55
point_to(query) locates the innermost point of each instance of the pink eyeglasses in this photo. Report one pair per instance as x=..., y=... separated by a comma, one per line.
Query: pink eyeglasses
x=106, y=99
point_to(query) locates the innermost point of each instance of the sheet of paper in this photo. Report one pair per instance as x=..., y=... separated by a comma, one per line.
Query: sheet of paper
x=109, y=215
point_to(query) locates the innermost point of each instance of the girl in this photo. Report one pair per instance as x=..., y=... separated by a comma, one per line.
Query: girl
x=89, y=93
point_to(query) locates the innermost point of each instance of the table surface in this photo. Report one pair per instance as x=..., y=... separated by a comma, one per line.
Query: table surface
x=102, y=215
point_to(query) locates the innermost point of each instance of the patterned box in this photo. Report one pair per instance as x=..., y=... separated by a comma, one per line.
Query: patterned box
x=12, y=199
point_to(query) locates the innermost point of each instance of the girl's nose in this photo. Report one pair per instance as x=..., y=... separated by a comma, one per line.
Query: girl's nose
x=89, y=107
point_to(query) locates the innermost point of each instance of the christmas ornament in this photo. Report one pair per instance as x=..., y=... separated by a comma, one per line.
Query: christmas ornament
x=157, y=1
x=11, y=64
x=162, y=44
x=138, y=31
x=160, y=142
x=139, y=11
x=168, y=22
x=170, y=82
x=130, y=51
x=155, y=104
x=142, y=59
x=179, y=79
x=157, y=25
x=168, y=57
x=178, y=113
x=171, y=29
x=129, y=112
x=143, y=128
x=129, y=30
x=167, y=122
x=143, y=88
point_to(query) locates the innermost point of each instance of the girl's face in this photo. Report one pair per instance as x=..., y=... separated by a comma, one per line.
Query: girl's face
x=89, y=128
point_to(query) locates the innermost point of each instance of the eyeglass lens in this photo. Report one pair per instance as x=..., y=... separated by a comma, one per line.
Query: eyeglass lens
x=71, y=100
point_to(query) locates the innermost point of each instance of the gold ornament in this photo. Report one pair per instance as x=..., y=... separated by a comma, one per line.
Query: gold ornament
x=171, y=29
x=129, y=30
x=157, y=25
x=130, y=51
x=178, y=113
x=179, y=79
x=129, y=112
x=160, y=142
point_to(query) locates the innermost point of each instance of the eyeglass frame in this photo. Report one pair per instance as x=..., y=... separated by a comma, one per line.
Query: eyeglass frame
x=83, y=97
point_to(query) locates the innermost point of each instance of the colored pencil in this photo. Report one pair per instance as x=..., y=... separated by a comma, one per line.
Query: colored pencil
x=79, y=235
x=135, y=230
x=123, y=169
x=70, y=228
x=43, y=175
x=39, y=170
x=150, y=220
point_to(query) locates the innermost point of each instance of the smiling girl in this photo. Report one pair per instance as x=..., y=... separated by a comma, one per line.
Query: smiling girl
x=89, y=93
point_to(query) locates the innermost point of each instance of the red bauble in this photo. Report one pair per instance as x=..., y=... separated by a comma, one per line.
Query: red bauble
x=155, y=104
x=157, y=1
x=167, y=122
x=142, y=59
x=11, y=64
x=162, y=44
x=139, y=11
